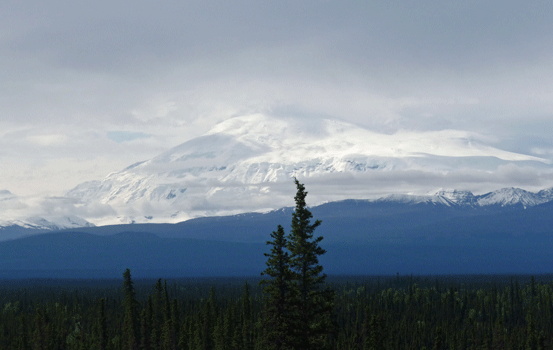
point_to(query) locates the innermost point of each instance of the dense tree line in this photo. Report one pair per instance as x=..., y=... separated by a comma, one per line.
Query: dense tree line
x=404, y=313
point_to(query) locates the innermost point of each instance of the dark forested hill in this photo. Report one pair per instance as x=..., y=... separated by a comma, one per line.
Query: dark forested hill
x=361, y=238
x=67, y=254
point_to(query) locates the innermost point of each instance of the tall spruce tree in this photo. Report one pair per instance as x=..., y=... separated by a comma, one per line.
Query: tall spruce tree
x=130, y=320
x=312, y=303
x=101, y=327
x=247, y=324
x=276, y=322
x=298, y=314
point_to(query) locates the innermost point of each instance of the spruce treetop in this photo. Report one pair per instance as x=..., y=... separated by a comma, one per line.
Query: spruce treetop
x=298, y=310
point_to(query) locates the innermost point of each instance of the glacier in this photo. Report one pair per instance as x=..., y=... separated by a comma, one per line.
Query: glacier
x=247, y=163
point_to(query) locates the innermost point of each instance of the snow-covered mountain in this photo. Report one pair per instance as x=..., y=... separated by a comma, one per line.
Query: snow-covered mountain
x=505, y=197
x=48, y=223
x=20, y=212
x=247, y=163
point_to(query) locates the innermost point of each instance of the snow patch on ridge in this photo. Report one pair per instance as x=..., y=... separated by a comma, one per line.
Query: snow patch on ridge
x=503, y=197
x=49, y=223
x=515, y=196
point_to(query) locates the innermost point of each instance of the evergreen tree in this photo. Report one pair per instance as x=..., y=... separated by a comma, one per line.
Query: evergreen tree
x=175, y=314
x=146, y=320
x=247, y=324
x=439, y=339
x=157, y=317
x=278, y=289
x=130, y=321
x=4, y=336
x=228, y=326
x=101, y=327
x=23, y=340
x=310, y=304
x=145, y=330
x=169, y=340
x=219, y=340
x=541, y=341
x=375, y=335
x=531, y=336
x=236, y=340
x=38, y=340
x=184, y=337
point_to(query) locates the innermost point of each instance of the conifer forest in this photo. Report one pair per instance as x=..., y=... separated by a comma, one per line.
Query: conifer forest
x=292, y=305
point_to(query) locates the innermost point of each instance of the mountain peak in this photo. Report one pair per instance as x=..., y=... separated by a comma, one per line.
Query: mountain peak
x=511, y=196
x=457, y=196
x=242, y=164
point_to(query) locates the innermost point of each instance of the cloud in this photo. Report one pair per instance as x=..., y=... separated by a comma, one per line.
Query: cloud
x=74, y=72
x=219, y=198
x=226, y=198
x=47, y=140
x=379, y=183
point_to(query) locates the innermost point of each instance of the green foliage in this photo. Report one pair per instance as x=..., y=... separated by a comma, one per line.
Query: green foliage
x=247, y=323
x=130, y=334
x=298, y=311
x=312, y=303
x=276, y=322
x=404, y=313
x=101, y=327
x=374, y=333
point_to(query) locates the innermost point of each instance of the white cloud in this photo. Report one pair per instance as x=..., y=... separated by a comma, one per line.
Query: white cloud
x=47, y=140
x=73, y=72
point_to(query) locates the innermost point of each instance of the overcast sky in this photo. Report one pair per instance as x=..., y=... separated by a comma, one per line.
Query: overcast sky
x=87, y=88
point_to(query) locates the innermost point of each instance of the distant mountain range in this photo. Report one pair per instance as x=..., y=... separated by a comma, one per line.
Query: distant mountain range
x=432, y=235
x=506, y=199
x=246, y=164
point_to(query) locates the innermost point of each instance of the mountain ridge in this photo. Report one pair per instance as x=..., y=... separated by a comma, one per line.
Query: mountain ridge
x=503, y=199
x=244, y=164
x=360, y=237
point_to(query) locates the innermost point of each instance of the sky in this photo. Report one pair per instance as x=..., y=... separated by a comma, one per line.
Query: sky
x=88, y=88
